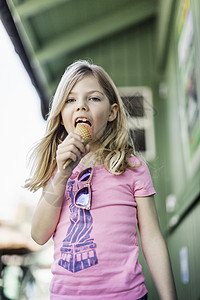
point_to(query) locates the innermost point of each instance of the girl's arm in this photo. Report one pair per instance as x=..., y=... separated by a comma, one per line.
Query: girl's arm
x=154, y=248
x=47, y=213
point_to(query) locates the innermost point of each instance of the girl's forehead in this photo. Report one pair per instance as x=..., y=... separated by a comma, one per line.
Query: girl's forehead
x=87, y=83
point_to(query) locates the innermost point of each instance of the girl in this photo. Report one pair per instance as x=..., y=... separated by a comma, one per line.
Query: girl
x=96, y=249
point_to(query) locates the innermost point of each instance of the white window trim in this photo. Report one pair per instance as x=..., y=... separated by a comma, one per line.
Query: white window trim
x=146, y=122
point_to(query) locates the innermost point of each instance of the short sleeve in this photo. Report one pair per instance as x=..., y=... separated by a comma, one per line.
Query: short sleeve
x=142, y=181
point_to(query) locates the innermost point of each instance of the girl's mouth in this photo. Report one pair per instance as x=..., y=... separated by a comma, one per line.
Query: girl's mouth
x=83, y=120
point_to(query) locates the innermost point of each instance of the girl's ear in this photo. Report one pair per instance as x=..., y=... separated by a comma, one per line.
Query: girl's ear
x=113, y=112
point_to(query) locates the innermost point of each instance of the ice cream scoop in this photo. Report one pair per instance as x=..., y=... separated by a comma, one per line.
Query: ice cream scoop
x=85, y=131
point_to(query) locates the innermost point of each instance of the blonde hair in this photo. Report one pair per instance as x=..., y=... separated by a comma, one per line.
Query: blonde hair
x=116, y=144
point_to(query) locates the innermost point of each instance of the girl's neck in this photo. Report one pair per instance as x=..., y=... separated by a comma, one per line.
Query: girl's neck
x=90, y=160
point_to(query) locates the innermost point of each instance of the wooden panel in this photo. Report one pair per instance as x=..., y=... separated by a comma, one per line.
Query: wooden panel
x=166, y=9
x=127, y=56
x=187, y=235
x=184, y=186
x=173, y=178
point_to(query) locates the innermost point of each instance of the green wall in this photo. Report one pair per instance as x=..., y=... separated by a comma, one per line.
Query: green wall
x=128, y=57
x=136, y=58
x=181, y=227
x=187, y=235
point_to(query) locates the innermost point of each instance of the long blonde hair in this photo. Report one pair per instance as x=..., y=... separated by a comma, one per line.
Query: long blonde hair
x=116, y=144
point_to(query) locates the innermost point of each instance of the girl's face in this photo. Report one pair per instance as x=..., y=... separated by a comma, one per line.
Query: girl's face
x=87, y=102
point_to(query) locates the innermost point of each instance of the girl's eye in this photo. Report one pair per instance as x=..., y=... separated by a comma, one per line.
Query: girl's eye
x=69, y=100
x=95, y=99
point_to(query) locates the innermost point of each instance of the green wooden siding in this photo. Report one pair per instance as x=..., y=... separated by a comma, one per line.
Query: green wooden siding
x=130, y=59
x=175, y=178
x=187, y=235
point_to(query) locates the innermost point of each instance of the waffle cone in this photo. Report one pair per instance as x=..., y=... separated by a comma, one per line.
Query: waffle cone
x=85, y=131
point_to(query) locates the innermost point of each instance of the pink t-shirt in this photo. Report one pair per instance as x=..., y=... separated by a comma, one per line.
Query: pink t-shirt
x=96, y=251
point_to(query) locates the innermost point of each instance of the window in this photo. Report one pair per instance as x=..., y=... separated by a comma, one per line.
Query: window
x=138, y=102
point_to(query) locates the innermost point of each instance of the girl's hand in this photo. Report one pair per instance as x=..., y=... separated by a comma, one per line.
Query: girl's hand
x=71, y=148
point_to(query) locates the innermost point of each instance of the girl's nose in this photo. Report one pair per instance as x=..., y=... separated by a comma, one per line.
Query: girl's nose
x=82, y=105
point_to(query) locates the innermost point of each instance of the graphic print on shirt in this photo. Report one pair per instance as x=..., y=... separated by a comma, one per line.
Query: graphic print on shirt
x=78, y=249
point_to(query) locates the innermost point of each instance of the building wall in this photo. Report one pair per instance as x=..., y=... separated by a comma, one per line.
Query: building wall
x=130, y=59
x=186, y=236
x=181, y=175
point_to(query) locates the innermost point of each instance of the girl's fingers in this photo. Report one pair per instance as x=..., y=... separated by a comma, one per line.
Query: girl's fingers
x=72, y=148
x=72, y=156
x=69, y=152
x=73, y=139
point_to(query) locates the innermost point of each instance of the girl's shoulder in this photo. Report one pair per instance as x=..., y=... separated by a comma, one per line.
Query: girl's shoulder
x=138, y=166
x=141, y=177
x=136, y=161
